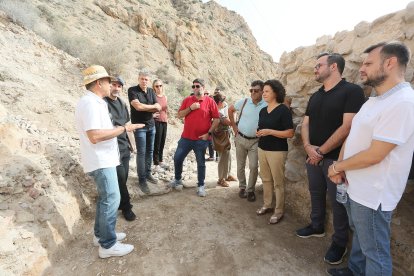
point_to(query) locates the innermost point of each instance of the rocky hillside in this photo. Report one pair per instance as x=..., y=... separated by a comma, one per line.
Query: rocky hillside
x=44, y=195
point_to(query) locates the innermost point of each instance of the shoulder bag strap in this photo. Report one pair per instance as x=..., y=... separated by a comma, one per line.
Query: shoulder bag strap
x=241, y=110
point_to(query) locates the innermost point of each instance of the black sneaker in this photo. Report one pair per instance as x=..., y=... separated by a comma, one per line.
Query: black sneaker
x=144, y=187
x=129, y=215
x=251, y=196
x=152, y=179
x=309, y=231
x=340, y=272
x=242, y=193
x=335, y=254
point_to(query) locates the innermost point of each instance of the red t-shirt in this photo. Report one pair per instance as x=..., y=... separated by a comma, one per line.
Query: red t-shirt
x=198, y=121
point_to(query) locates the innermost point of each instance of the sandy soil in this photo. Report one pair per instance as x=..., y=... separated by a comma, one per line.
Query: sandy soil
x=182, y=234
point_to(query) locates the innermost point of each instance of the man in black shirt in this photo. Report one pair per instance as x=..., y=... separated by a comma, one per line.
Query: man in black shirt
x=120, y=116
x=324, y=128
x=143, y=104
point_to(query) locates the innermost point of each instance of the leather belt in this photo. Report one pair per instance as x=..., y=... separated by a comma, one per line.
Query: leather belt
x=247, y=137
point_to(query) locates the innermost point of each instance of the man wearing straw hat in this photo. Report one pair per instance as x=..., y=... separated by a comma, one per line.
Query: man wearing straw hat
x=100, y=156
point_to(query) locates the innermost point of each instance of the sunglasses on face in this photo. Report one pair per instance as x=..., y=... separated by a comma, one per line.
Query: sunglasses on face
x=254, y=90
x=157, y=86
x=196, y=86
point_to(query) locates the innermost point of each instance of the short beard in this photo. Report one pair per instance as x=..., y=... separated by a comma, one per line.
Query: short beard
x=322, y=77
x=114, y=94
x=377, y=80
x=197, y=92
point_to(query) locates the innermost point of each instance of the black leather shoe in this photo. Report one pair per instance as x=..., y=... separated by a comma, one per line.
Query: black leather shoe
x=129, y=215
x=340, y=272
x=251, y=196
x=242, y=193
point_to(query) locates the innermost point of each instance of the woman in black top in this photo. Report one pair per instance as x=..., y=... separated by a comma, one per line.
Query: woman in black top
x=275, y=126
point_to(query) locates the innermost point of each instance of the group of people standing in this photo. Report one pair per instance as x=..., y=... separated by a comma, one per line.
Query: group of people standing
x=366, y=144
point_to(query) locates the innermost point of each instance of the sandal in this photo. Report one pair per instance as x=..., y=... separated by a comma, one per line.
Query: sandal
x=263, y=211
x=275, y=219
x=222, y=183
x=231, y=178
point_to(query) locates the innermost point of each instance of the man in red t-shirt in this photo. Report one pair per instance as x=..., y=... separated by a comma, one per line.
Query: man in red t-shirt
x=201, y=119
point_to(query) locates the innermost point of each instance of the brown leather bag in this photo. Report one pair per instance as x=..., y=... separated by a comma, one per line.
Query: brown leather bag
x=221, y=141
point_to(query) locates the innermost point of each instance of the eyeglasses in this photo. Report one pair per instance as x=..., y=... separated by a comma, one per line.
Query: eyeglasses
x=319, y=65
x=254, y=90
x=156, y=86
x=196, y=86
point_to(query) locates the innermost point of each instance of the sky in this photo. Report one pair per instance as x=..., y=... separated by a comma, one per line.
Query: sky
x=284, y=25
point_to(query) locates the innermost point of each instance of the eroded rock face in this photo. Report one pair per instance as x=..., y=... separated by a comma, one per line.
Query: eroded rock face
x=44, y=193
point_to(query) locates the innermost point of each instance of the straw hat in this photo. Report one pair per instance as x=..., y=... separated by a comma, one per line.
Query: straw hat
x=93, y=73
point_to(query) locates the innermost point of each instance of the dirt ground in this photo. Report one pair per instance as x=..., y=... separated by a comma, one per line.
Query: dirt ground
x=180, y=233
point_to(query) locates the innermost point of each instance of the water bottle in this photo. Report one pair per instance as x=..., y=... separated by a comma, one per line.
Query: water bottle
x=341, y=195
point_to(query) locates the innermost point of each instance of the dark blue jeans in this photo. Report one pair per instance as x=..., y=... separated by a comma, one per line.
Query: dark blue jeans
x=319, y=186
x=183, y=148
x=144, y=139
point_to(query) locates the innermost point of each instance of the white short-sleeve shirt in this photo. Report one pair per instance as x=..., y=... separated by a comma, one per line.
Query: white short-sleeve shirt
x=388, y=118
x=92, y=113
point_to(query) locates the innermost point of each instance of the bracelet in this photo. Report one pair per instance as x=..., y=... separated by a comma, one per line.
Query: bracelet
x=319, y=151
x=333, y=168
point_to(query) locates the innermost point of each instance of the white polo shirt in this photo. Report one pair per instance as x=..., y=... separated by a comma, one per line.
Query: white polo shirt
x=388, y=118
x=92, y=113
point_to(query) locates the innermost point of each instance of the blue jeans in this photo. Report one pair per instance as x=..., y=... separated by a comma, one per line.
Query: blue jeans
x=370, y=253
x=144, y=140
x=184, y=147
x=107, y=205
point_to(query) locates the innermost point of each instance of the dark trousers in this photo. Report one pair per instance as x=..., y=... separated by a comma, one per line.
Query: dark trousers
x=122, y=172
x=160, y=136
x=210, y=149
x=319, y=183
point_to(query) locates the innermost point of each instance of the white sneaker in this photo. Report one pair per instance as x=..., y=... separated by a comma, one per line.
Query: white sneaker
x=119, y=237
x=201, y=191
x=164, y=166
x=117, y=250
x=158, y=169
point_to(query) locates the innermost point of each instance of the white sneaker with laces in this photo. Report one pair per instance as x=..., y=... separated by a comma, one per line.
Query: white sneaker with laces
x=117, y=250
x=158, y=169
x=164, y=166
x=119, y=237
x=201, y=191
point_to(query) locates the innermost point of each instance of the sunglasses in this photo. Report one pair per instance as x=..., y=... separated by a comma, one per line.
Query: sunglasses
x=206, y=94
x=253, y=90
x=158, y=85
x=196, y=86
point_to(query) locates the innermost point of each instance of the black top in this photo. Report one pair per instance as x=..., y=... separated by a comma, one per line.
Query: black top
x=119, y=116
x=326, y=108
x=141, y=117
x=280, y=118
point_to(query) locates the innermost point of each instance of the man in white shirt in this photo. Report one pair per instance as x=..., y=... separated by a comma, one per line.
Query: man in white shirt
x=375, y=159
x=100, y=156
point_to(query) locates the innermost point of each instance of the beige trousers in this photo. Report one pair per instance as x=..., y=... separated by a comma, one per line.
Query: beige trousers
x=224, y=164
x=272, y=172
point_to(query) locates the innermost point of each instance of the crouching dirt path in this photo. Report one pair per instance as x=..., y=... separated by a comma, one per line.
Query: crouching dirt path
x=180, y=233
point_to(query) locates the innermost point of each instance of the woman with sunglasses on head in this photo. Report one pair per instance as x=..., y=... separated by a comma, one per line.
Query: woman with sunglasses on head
x=275, y=126
x=160, y=126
